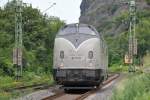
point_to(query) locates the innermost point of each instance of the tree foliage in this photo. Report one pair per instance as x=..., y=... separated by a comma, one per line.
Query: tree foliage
x=38, y=38
x=118, y=44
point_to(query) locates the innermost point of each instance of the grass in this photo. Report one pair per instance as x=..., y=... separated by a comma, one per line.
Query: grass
x=136, y=87
x=29, y=78
x=147, y=60
x=5, y=96
x=118, y=68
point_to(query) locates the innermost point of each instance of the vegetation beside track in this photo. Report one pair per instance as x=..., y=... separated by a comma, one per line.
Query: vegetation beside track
x=146, y=60
x=28, y=79
x=118, y=68
x=38, y=38
x=39, y=31
x=136, y=87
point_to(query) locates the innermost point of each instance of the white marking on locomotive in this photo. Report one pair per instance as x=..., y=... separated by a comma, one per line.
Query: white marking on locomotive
x=74, y=48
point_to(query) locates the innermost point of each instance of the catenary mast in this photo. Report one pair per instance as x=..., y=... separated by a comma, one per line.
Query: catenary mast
x=132, y=38
x=17, y=52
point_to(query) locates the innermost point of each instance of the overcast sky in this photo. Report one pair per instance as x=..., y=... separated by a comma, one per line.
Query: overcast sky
x=68, y=10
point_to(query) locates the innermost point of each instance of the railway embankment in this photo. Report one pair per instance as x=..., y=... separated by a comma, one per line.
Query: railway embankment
x=135, y=87
x=107, y=91
x=104, y=91
x=30, y=82
x=128, y=86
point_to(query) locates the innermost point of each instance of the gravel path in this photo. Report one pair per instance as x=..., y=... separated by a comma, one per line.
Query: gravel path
x=106, y=92
x=147, y=70
x=37, y=95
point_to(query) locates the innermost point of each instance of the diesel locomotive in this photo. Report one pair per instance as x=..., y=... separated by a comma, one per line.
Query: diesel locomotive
x=80, y=56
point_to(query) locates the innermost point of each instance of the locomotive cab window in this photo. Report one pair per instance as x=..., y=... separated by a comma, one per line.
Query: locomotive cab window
x=62, y=54
x=86, y=30
x=68, y=30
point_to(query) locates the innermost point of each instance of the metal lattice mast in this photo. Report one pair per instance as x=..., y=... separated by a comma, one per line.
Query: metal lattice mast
x=17, y=53
x=132, y=39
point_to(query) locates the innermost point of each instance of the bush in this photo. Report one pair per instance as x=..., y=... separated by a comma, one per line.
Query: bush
x=118, y=68
x=148, y=2
x=138, y=88
x=7, y=82
x=5, y=96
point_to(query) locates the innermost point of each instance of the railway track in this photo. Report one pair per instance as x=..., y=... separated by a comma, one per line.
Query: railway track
x=34, y=87
x=81, y=96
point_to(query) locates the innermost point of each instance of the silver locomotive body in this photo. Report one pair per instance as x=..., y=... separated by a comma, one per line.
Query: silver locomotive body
x=80, y=56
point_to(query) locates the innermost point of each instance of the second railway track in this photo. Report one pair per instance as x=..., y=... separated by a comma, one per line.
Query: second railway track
x=61, y=95
x=34, y=87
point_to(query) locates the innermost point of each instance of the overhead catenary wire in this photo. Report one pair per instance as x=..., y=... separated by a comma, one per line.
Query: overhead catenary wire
x=49, y=7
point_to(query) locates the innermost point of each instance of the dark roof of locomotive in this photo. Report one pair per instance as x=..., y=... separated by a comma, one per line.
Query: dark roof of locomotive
x=78, y=28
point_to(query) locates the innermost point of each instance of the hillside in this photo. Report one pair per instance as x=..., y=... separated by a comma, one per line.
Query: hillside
x=111, y=18
x=102, y=14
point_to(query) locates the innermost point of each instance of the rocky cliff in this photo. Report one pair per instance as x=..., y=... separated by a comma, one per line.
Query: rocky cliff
x=103, y=14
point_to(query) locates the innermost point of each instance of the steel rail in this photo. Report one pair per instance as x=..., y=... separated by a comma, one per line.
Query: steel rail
x=56, y=95
x=59, y=94
x=85, y=95
x=35, y=87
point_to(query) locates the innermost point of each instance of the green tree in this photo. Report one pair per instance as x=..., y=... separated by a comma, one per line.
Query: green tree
x=38, y=38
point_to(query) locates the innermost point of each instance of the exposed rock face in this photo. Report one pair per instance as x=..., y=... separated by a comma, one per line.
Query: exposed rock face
x=102, y=14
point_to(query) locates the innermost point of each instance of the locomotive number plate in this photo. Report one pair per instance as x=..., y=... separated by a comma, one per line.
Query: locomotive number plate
x=77, y=58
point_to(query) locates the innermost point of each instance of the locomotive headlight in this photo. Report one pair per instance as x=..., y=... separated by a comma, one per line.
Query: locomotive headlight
x=90, y=64
x=61, y=65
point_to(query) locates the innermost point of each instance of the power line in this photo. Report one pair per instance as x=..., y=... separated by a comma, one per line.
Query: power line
x=49, y=7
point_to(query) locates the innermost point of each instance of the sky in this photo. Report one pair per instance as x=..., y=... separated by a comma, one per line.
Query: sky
x=67, y=10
